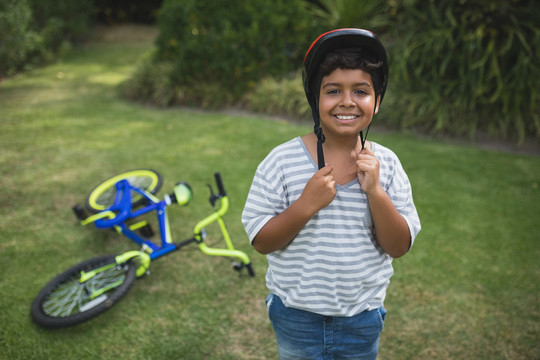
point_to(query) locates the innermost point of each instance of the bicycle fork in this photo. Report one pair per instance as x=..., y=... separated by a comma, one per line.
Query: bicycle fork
x=144, y=264
x=230, y=251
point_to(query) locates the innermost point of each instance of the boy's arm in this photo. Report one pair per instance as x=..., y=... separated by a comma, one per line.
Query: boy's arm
x=282, y=228
x=391, y=229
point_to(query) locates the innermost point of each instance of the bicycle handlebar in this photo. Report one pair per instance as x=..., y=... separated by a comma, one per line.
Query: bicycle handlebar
x=122, y=205
x=219, y=183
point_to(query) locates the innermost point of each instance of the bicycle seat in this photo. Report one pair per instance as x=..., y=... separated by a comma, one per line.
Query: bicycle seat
x=121, y=206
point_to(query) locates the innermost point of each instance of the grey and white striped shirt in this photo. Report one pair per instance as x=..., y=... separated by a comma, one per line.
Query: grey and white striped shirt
x=334, y=266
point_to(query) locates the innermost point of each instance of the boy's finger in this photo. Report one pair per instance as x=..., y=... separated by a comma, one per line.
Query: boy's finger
x=326, y=170
x=365, y=151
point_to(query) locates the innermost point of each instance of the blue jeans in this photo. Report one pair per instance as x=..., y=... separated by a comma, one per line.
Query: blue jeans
x=305, y=335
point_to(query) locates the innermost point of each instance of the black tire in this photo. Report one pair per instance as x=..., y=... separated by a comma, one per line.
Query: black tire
x=102, y=196
x=66, y=302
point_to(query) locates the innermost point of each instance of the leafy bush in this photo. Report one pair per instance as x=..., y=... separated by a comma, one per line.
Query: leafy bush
x=463, y=66
x=127, y=11
x=221, y=51
x=32, y=32
x=60, y=21
x=365, y=14
x=280, y=97
x=151, y=82
x=16, y=41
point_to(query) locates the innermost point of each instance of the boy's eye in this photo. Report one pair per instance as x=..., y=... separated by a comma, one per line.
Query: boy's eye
x=360, y=92
x=333, y=91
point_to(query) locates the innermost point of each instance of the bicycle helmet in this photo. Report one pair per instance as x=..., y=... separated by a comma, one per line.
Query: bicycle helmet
x=329, y=42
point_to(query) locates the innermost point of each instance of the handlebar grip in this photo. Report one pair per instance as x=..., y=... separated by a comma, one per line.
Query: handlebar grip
x=219, y=183
x=79, y=212
x=250, y=270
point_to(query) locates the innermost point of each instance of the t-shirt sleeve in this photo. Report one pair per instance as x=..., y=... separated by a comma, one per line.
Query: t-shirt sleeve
x=265, y=200
x=400, y=192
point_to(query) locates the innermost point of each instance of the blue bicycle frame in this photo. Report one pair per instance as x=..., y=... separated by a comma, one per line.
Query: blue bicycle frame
x=121, y=211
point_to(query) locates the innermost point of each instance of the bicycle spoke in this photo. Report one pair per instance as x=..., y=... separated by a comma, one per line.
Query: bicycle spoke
x=107, y=197
x=63, y=300
x=73, y=297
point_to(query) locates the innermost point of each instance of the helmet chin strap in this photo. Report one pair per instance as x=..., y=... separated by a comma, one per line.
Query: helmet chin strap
x=320, y=140
x=363, y=138
x=317, y=128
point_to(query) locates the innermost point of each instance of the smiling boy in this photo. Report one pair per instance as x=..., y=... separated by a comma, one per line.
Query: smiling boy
x=331, y=210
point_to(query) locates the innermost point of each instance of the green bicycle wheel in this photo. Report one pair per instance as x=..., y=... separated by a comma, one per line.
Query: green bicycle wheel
x=66, y=301
x=102, y=196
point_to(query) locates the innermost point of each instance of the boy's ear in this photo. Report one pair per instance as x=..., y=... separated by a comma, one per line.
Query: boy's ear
x=378, y=101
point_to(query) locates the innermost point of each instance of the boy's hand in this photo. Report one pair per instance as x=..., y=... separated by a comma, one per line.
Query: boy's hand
x=367, y=168
x=320, y=190
x=279, y=231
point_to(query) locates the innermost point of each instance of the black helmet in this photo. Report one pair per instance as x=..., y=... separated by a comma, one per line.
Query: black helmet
x=329, y=42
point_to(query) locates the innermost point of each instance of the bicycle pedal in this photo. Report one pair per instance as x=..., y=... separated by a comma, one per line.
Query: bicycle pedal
x=237, y=266
x=79, y=211
x=147, y=231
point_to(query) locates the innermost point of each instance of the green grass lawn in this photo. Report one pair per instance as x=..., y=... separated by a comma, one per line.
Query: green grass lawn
x=469, y=288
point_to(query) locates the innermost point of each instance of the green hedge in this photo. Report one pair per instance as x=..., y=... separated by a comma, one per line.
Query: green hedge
x=216, y=53
x=457, y=67
x=463, y=66
x=284, y=97
x=114, y=12
x=34, y=31
x=17, y=42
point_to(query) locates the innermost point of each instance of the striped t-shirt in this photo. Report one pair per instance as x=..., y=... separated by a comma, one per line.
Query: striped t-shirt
x=334, y=265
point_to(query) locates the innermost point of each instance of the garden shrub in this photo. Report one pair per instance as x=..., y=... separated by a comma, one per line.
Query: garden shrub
x=113, y=12
x=284, y=96
x=463, y=66
x=151, y=82
x=365, y=14
x=16, y=40
x=33, y=31
x=60, y=21
x=221, y=51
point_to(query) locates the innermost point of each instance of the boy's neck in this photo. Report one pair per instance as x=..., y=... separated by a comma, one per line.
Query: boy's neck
x=343, y=144
x=342, y=153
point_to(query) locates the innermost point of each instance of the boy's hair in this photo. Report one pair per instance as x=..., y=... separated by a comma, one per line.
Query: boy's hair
x=353, y=59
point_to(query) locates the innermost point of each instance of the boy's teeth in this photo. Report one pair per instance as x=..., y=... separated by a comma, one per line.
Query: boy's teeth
x=343, y=117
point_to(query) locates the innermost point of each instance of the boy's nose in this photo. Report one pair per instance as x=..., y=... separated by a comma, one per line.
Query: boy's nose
x=347, y=99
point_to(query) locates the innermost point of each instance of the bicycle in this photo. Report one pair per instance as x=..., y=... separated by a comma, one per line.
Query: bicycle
x=91, y=287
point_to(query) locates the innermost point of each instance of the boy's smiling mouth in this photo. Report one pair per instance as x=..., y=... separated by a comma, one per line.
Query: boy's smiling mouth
x=346, y=118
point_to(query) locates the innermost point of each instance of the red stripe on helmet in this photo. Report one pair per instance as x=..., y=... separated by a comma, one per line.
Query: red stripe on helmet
x=329, y=32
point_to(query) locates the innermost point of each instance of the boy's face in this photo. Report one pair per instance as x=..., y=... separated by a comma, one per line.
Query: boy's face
x=346, y=102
